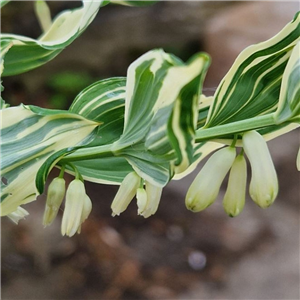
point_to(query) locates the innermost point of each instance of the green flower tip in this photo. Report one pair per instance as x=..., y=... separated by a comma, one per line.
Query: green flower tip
x=205, y=188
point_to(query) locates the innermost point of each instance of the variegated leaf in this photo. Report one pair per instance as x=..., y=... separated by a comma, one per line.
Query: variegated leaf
x=289, y=100
x=30, y=135
x=161, y=108
x=251, y=87
x=104, y=102
x=27, y=53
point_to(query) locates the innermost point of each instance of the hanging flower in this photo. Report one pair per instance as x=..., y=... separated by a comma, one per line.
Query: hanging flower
x=19, y=214
x=55, y=196
x=234, y=199
x=126, y=192
x=153, y=193
x=264, y=184
x=77, y=208
x=205, y=188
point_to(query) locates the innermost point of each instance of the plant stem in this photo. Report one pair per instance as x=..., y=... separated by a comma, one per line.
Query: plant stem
x=235, y=127
x=89, y=153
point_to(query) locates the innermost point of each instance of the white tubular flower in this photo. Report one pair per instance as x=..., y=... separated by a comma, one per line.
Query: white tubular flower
x=141, y=196
x=75, y=199
x=19, y=214
x=298, y=160
x=153, y=198
x=264, y=183
x=205, y=187
x=55, y=196
x=234, y=199
x=125, y=193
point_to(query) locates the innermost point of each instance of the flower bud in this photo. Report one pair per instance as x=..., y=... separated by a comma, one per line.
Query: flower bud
x=234, y=199
x=153, y=198
x=264, y=184
x=75, y=199
x=205, y=187
x=55, y=196
x=18, y=214
x=125, y=193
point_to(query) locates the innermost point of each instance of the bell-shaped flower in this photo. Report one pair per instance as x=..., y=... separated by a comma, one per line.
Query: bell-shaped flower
x=19, y=214
x=55, y=196
x=205, y=187
x=264, y=184
x=298, y=160
x=126, y=192
x=74, y=207
x=234, y=199
x=153, y=195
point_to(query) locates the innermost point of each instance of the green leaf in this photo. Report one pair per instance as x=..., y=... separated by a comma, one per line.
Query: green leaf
x=104, y=102
x=43, y=14
x=5, y=46
x=201, y=151
x=289, y=100
x=108, y=170
x=161, y=111
x=251, y=87
x=30, y=135
x=27, y=53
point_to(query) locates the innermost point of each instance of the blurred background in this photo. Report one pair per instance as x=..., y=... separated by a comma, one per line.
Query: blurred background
x=174, y=254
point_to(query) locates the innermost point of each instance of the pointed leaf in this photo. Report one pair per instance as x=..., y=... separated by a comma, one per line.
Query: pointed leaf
x=104, y=102
x=30, y=135
x=27, y=53
x=251, y=87
x=289, y=100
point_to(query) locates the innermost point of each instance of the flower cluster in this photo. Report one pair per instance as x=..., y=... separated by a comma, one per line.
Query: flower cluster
x=77, y=205
x=263, y=185
x=147, y=199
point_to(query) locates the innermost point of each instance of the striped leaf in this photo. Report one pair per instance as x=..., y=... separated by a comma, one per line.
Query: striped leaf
x=30, y=135
x=252, y=85
x=289, y=100
x=104, y=102
x=161, y=111
x=27, y=53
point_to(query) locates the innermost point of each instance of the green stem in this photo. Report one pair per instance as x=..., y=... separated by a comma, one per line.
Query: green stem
x=235, y=127
x=62, y=171
x=89, y=153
